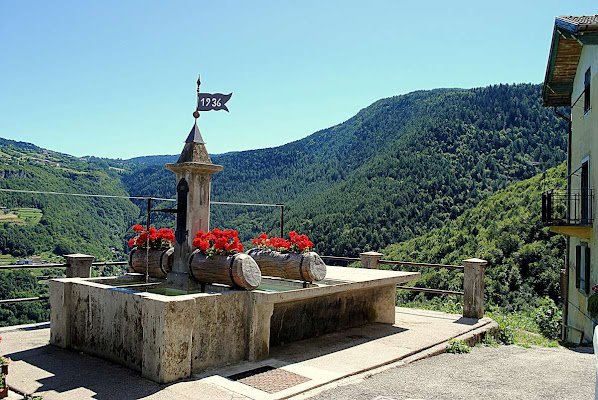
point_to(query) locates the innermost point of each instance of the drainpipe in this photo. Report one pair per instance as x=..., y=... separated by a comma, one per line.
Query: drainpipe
x=568, y=245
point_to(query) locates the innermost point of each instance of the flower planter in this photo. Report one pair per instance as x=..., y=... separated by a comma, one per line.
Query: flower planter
x=4, y=390
x=239, y=270
x=159, y=262
x=4, y=369
x=305, y=267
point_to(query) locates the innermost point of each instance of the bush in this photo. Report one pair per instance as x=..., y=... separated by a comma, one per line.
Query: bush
x=548, y=317
x=593, y=305
x=457, y=347
x=506, y=332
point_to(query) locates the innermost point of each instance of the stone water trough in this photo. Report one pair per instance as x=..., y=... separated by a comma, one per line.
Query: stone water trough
x=167, y=337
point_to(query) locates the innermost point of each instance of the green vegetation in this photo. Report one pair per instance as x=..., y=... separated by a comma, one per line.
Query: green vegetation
x=457, y=347
x=593, y=305
x=524, y=258
x=21, y=283
x=548, y=317
x=488, y=341
x=399, y=168
x=33, y=223
x=419, y=170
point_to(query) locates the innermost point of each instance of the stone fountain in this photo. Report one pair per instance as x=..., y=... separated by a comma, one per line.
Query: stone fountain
x=170, y=337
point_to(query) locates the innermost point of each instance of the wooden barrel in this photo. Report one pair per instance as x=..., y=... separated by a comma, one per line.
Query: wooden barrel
x=305, y=267
x=239, y=271
x=159, y=262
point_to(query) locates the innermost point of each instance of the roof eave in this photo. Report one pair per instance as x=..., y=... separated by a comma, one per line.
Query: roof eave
x=551, y=61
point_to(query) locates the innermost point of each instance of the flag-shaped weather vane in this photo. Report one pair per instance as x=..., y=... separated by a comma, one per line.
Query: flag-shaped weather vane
x=210, y=101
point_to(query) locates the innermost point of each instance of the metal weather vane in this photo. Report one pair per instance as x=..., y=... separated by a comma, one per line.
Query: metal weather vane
x=210, y=101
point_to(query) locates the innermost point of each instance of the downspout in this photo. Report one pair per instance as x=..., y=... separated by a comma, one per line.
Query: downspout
x=565, y=290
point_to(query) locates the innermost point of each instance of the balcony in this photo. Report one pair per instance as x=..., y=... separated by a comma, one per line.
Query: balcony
x=570, y=214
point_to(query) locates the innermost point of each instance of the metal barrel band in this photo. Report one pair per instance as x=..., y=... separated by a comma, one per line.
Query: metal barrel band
x=191, y=269
x=133, y=250
x=230, y=273
x=161, y=257
x=301, y=269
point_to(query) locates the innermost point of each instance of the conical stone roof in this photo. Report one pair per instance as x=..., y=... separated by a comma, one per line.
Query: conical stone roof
x=195, y=148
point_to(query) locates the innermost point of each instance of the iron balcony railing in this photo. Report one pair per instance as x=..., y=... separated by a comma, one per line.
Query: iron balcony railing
x=568, y=209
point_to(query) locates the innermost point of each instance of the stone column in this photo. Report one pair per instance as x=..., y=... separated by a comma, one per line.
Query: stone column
x=473, y=297
x=193, y=174
x=79, y=265
x=370, y=259
x=258, y=340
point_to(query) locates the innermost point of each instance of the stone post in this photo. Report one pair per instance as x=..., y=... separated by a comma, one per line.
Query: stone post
x=79, y=265
x=473, y=290
x=370, y=259
x=258, y=340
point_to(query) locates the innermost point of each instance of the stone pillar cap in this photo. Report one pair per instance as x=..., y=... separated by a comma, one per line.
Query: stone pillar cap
x=371, y=253
x=80, y=256
x=476, y=260
x=194, y=166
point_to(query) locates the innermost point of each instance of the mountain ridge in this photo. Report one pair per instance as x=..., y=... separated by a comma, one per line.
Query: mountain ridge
x=401, y=166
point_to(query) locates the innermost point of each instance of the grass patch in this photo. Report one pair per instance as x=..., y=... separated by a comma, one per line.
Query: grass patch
x=7, y=259
x=31, y=216
x=527, y=339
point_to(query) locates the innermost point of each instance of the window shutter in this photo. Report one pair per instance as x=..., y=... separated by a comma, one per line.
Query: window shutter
x=588, y=285
x=577, y=265
x=588, y=77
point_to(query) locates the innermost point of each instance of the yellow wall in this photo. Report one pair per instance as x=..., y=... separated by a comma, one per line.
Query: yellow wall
x=584, y=144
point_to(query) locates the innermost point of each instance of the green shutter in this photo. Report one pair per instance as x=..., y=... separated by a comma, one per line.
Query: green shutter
x=577, y=265
x=588, y=285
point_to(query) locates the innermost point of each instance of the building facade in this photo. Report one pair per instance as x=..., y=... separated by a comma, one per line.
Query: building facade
x=572, y=81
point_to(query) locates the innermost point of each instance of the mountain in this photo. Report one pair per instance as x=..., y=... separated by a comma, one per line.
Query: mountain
x=57, y=224
x=524, y=257
x=399, y=168
x=424, y=176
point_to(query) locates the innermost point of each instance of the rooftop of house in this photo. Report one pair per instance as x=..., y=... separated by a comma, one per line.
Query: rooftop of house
x=569, y=36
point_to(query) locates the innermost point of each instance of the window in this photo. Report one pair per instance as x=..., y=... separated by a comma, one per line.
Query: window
x=586, y=103
x=582, y=268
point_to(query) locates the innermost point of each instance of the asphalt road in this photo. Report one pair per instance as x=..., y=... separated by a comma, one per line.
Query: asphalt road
x=505, y=372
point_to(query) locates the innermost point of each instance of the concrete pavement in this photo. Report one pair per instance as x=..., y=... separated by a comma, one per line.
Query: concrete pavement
x=506, y=372
x=60, y=374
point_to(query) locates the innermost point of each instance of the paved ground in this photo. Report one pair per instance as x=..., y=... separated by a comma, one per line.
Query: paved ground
x=60, y=374
x=506, y=372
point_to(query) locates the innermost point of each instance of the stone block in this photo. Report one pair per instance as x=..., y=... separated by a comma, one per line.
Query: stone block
x=167, y=336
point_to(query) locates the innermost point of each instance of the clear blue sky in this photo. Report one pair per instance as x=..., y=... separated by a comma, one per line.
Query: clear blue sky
x=117, y=78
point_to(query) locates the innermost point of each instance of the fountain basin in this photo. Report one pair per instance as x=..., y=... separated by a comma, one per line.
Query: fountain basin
x=169, y=335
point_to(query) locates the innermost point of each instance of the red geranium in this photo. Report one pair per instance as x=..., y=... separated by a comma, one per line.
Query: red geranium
x=162, y=238
x=218, y=241
x=294, y=244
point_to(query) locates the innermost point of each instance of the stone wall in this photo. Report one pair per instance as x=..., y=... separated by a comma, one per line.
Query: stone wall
x=299, y=320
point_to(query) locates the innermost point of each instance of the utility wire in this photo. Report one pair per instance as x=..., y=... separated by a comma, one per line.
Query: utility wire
x=110, y=196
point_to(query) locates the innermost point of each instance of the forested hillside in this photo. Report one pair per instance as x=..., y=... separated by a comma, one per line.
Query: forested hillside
x=417, y=169
x=34, y=223
x=400, y=167
x=524, y=257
